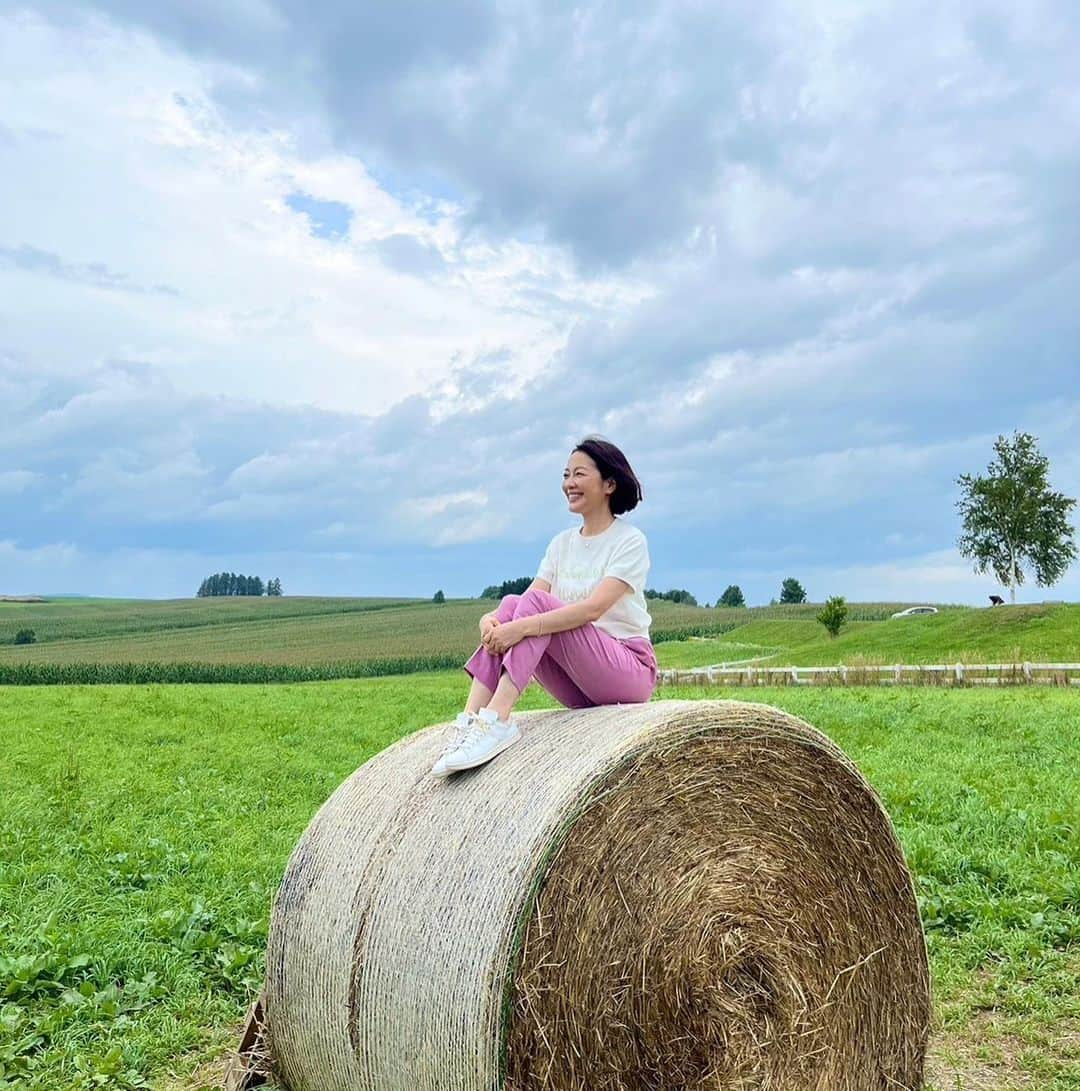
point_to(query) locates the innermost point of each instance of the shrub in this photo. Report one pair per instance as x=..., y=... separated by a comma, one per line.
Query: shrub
x=833, y=614
x=25, y=636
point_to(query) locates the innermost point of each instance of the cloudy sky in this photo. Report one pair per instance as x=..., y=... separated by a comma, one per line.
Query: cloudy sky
x=328, y=291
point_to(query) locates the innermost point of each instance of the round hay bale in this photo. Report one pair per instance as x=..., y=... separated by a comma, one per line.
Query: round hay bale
x=682, y=895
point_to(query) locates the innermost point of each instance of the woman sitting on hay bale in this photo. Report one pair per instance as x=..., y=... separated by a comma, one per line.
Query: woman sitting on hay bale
x=581, y=629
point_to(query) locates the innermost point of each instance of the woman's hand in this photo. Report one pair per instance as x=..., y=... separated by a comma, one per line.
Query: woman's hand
x=487, y=623
x=502, y=637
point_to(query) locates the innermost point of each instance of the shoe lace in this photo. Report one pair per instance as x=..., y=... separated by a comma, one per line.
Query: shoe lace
x=465, y=736
x=476, y=729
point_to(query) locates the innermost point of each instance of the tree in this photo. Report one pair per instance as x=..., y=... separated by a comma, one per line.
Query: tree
x=732, y=596
x=229, y=583
x=25, y=636
x=674, y=595
x=438, y=597
x=273, y=587
x=1013, y=520
x=792, y=591
x=833, y=614
x=508, y=587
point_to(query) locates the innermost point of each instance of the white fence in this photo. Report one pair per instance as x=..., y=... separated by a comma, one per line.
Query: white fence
x=946, y=674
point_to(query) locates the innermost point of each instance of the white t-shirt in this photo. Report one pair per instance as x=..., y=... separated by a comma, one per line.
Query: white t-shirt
x=574, y=565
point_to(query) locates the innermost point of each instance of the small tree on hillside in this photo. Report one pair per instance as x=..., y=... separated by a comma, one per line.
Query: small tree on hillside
x=1013, y=520
x=25, y=636
x=833, y=614
x=792, y=591
x=438, y=597
x=732, y=596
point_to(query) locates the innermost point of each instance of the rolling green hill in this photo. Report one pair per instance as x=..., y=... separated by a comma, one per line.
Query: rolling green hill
x=300, y=638
x=957, y=634
x=288, y=639
x=70, y=619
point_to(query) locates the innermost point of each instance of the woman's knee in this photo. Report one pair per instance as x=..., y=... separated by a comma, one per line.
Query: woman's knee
x=508, y=604
x=535, y=601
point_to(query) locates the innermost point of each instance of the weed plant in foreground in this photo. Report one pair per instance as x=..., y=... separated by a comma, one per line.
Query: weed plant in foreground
x=144, y=829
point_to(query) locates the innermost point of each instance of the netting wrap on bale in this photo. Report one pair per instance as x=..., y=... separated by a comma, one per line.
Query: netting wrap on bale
x=692, y=895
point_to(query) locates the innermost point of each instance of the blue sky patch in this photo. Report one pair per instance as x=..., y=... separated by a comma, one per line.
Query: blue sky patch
x=328, y=219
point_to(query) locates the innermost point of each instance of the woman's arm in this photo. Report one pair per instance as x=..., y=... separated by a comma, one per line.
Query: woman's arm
x=606, y=593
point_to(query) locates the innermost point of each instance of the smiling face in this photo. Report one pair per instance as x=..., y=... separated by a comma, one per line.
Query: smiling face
x=586, y=491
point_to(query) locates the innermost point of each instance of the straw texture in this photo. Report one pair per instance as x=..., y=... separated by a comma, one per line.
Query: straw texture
x=691, y=895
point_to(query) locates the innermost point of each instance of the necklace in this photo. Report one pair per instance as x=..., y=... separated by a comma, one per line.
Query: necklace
x=587, y=539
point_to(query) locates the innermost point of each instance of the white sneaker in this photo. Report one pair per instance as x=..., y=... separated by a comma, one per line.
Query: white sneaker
x=487, y=737
x=464, y=721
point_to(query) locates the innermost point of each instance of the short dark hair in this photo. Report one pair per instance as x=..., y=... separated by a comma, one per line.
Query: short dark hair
x=613, y=465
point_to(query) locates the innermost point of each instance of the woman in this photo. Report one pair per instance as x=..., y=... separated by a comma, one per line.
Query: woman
x=581, y=629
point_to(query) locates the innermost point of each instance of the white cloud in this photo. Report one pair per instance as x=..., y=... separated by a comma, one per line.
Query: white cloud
x=455, y=518
x=803, y=266
x=23, y=569
x=244, y=300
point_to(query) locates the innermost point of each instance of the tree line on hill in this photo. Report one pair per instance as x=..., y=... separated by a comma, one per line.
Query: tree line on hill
x=791, y=591
x=231, y=583
x=674, y=595
x=507, y=587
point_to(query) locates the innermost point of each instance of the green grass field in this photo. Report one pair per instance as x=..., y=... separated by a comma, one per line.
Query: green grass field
x=1008, y=634
x=299, y=639
x=144, y=830
x=100, y=619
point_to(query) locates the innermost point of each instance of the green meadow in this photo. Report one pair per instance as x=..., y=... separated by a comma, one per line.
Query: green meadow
x=1043, y=633
x=286, y=639
x=144, y=829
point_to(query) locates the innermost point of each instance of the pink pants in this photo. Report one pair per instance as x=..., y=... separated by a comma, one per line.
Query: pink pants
x=580, y=668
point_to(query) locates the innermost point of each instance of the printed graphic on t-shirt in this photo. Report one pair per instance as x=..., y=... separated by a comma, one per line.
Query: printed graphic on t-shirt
x=578, y=581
